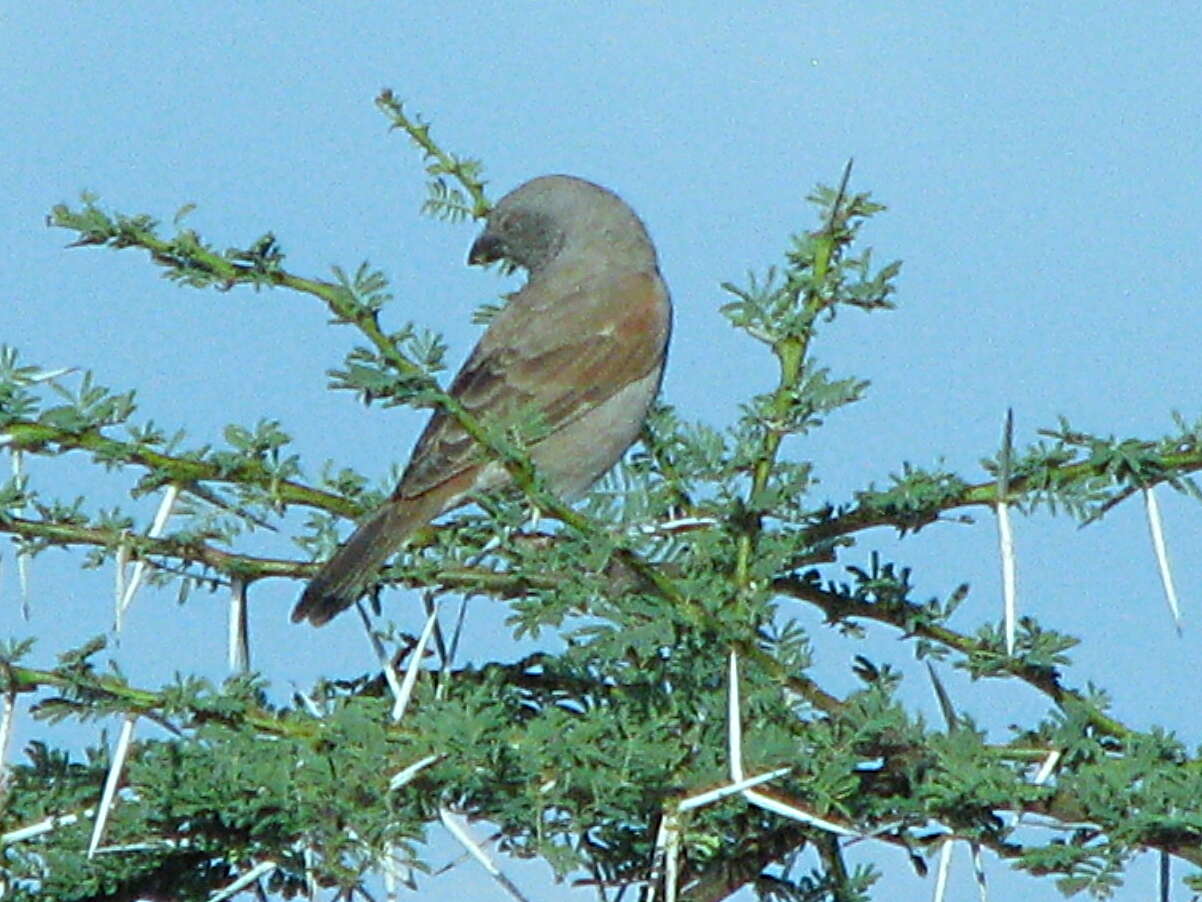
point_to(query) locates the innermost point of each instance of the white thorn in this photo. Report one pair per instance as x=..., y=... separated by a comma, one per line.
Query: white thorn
x=121, y=567
x=6, y=728
x=941, y=872
x=770, y=804
x=139, y=569
x=239, y=637
x=166, y=506
x=672, y=861
x=657, y=856
x=390, y=887
x=310, y=878
x=1009, y=580
x=458, y=829
x=1156, y=527
x=734, y=724
x=385, y=662
x=396, y=873
x=414, y=668
x=46, y=825
x=110, y=782
x=674, y=525
x=1046, y=768
x=309, y=703
x=263, y=867
x=142, y=847
x=978, y=870
x=23, y=582
x=1041, y=776
x=401, y=777
x=705, y=798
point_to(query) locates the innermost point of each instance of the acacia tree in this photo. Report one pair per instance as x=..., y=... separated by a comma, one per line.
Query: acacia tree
x=620, y=760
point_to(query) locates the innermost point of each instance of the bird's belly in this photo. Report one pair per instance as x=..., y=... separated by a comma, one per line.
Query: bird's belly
x=574, y=457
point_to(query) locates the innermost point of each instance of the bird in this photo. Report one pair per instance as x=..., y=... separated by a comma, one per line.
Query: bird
x=581, y=345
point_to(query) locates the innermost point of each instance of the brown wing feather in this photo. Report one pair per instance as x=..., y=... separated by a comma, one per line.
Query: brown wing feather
x=561, y=353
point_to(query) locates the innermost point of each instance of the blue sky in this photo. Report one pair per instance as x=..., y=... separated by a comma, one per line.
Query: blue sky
x=1041, y=164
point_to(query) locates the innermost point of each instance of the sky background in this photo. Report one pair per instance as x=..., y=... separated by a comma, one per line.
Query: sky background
x=1043, y=172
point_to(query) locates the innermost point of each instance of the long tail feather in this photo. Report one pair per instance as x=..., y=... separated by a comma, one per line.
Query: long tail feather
x=346, y=576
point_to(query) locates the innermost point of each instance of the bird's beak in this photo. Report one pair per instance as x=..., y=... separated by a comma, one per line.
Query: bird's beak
x=485, y=249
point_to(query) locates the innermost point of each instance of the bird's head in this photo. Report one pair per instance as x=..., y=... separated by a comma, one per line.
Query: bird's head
x=556, y=216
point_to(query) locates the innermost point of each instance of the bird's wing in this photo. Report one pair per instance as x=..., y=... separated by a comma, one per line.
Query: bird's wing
x=555, y=353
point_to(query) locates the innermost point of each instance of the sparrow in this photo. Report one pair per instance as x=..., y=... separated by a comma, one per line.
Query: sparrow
x=581, y=346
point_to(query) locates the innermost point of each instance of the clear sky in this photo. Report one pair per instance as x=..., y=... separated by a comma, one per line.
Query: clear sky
x=1041, y=163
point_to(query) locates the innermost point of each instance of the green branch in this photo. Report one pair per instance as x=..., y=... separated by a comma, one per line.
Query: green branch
x=39, y=438
x=913, y=620
x=439, y=162
x=896, y=508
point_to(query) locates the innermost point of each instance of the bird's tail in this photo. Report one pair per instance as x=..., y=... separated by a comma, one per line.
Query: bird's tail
x=346, y=576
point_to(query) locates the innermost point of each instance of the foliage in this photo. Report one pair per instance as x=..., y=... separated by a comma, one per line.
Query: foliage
x=578, y=757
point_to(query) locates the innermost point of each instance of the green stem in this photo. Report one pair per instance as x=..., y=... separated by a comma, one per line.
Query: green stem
x=29, y=435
